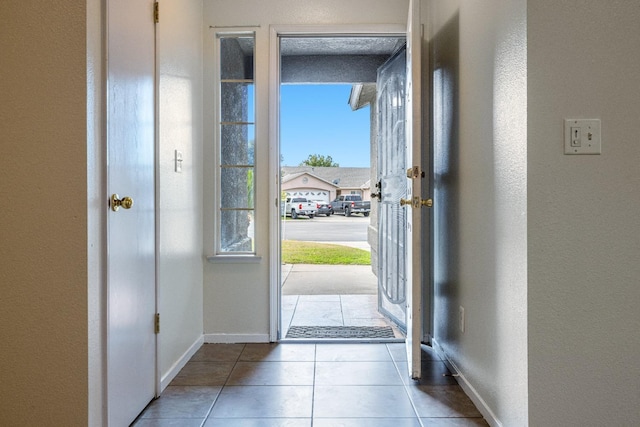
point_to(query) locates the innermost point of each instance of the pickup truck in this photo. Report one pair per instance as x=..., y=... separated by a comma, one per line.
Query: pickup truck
x=348, y=204
x=299, y=206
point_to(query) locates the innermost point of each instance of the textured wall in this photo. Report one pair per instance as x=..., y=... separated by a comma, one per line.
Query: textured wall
x=331, y=68
x=180, y=194
x=43, y=221
x=584, y=233
x=478, y=57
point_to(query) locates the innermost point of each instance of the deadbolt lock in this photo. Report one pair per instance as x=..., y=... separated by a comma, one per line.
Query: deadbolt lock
x=378, y=194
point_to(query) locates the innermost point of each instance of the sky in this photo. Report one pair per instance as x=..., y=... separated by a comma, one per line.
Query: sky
x=317, y=119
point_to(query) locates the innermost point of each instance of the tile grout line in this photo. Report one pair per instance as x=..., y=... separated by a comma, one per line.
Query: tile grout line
x=405, y=386
x=313, y=388
x=235, y=363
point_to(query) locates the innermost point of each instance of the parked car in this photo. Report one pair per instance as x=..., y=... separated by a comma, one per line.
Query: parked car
x=348, y=204
x=299, y=206
x=324, y=208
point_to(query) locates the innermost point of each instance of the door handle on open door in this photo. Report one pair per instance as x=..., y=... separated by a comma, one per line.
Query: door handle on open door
x=405, y=202
x=117, y=203
x=378, y=194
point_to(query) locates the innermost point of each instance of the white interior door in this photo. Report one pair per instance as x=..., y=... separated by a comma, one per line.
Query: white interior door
x=131, y=291
x=399, y=142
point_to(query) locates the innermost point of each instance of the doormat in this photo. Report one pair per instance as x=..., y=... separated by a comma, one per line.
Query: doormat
x=340, y=332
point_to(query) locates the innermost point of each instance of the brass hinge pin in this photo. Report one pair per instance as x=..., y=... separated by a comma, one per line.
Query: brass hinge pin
x=157, y=323
x=156, y=12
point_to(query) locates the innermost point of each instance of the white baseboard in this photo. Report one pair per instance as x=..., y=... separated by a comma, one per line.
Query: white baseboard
x=179, y=364
x=235, y=338
x=469, y=390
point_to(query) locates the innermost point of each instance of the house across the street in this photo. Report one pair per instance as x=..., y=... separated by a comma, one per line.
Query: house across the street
x=325, y=183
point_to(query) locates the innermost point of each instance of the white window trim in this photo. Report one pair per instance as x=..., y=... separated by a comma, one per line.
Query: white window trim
x=235, y=259
x=219, y=256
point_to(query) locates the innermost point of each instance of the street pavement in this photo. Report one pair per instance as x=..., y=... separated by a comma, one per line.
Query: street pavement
x=334, y=228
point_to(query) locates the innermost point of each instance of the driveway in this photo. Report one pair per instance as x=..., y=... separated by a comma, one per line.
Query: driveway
x=335, y=228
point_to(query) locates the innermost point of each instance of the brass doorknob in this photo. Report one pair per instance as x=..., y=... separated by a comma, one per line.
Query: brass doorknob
x=117, y=203
x=416, y=203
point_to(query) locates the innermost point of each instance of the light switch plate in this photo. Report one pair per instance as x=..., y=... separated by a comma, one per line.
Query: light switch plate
x=178, y=161
x=582, y=136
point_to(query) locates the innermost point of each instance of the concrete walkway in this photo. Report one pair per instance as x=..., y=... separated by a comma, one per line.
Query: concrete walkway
x=312, y=279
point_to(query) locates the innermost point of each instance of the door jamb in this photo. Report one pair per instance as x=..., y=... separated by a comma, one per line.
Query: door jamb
x=275, y=32
x=156, y=183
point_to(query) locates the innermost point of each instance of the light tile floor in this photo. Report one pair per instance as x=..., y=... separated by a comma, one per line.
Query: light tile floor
x=311, y=385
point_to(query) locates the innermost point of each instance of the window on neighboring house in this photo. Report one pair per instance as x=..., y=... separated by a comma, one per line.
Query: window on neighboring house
x=236, y=144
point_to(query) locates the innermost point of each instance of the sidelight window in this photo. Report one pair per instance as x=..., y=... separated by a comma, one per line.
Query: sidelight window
x=236, y=144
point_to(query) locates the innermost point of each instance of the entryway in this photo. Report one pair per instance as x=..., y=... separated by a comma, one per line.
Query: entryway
x=399, y=190
x=329, y=301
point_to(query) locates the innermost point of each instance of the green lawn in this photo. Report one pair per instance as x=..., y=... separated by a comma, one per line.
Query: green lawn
x=294, y=252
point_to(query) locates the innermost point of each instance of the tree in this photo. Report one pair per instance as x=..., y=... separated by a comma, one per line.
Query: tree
x=319, y=160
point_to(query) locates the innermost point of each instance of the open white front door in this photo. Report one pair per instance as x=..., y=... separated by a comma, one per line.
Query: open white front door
x=399, y=180
x=392, y=187
x=414, y=260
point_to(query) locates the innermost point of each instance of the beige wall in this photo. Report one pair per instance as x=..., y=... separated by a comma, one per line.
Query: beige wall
x=43, y=221
x=313, y=184
x=584, y=233
x=180, y=194
x=478, y=53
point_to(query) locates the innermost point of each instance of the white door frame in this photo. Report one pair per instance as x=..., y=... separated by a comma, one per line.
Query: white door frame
x=275, y=32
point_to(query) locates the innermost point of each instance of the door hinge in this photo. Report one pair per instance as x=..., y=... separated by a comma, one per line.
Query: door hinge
x=415, y=172
x=156, y=12
x=157, y=323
